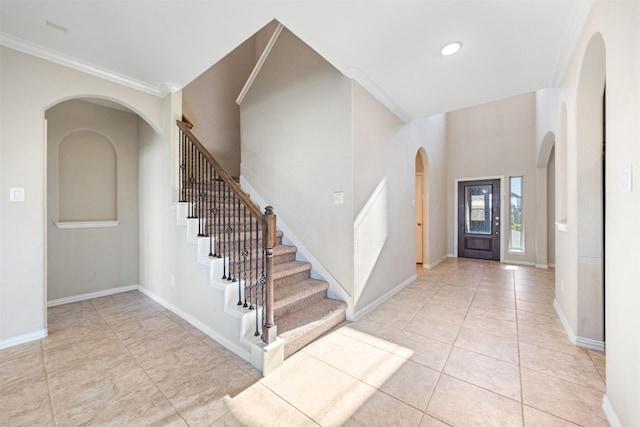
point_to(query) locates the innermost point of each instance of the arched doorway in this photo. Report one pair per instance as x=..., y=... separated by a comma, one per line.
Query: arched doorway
x=92, y=199
x=545, y=187
x=591, y=203
x=551, y=209
x=422, y=208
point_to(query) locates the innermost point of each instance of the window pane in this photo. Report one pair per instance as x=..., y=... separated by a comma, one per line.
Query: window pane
x=516, y=235
x=478, y=209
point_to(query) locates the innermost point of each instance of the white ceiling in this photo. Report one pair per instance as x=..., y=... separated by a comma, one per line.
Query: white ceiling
x=510, y=47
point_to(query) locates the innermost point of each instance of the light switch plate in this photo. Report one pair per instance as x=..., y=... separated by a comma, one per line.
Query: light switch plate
x=338, y=198
x=625, y=180
x=16, y=194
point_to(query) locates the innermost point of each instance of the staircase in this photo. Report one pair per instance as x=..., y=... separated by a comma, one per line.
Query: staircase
x=302, y=310
x=227, y=218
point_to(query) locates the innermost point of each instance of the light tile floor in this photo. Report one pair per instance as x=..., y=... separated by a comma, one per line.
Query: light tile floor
x=469, y=343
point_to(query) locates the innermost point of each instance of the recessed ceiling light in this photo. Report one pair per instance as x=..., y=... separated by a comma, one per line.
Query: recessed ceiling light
x=451, y=48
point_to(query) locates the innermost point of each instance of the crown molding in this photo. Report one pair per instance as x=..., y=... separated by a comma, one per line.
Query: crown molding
x=572, y=36
x=39, y=51
x=169, y=87
x=356, y=74
x=260, y=63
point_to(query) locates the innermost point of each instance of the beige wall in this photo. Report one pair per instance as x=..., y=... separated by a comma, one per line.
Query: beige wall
x=430, y=135
x=297, y=150
x=493, y=140
x=82, y=261
x=209, y=102
x=619, y=25
x=383, y=188
x=28, y=87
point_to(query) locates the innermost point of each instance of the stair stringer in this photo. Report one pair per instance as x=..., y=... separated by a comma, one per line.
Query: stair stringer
x=239, y=335
x=318, y=271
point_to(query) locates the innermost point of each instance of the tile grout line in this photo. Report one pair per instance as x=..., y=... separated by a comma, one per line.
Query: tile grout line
x=521, y=367
x=441, y=373
x=515, y=303
x=138, y=362
x=46, y=372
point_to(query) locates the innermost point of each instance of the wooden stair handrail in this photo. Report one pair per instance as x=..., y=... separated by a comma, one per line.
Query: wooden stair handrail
x=244, y=197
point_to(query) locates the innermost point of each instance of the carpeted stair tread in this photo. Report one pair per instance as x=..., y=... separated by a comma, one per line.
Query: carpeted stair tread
x=284, y=249
x=301, y=327
x=298, y=295
x=289, y=268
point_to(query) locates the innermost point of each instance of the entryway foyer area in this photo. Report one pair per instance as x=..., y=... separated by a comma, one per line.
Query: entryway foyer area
x=467, y=343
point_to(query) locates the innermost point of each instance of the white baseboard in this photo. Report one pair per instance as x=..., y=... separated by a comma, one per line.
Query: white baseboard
x=552, y=265
x=516, y=262
x=382, y=299
x=590, y=343
x=452, y=256
x=24, y=338
x=565, y=323
x=245, y=354
x=579, y=341
x=543, y=266
x=91, y=295
x=610, y=413
x=435, y=264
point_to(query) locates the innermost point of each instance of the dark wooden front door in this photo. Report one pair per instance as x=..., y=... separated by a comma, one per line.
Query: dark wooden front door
x=479, y=219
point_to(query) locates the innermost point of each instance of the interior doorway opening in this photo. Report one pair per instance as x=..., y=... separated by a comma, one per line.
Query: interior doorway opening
x=91, y=199
x=421, y=204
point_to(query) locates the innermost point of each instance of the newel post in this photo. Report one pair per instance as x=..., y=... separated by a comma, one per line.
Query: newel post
x=269, y=329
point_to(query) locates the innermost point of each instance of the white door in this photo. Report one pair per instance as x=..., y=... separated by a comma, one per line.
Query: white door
x=419, y=219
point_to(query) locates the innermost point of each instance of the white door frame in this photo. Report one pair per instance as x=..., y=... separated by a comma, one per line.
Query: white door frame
x=504, y=211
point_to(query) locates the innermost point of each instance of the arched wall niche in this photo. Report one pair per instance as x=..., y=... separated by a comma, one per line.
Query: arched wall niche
x=563, y=164
x=87, y=183
x=590, y=191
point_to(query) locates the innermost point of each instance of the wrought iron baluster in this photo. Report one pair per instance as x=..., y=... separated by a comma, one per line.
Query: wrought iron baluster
x=229, y=230
x=232, y=241
x=182, y=146
x=218, y=230
x=249, y=284
x=210, y=216
x=223, y=236
x=192, y=180
x=202, y=196
x=245, y=253
x=260, y=287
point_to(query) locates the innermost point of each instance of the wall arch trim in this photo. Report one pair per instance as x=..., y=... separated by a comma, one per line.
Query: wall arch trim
x=157, y=128
x=544, y=153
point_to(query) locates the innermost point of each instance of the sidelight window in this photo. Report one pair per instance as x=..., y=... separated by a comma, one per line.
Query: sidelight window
x=516, y=230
